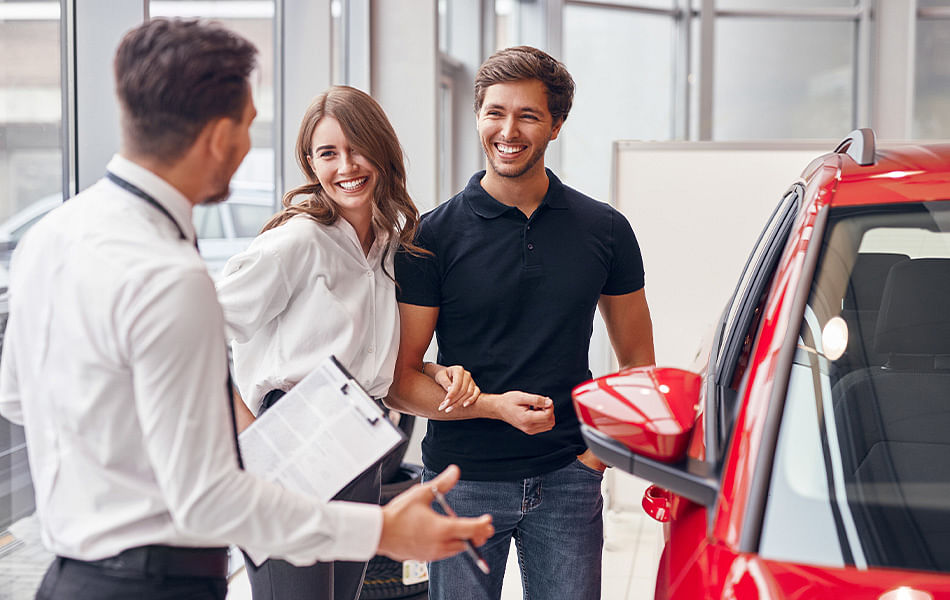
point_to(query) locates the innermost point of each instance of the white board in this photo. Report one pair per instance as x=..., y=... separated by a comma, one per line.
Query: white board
x=697, y=209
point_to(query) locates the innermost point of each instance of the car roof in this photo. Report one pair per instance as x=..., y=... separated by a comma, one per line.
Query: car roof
x=243, y=192
x=28, y=213
x=899, y=173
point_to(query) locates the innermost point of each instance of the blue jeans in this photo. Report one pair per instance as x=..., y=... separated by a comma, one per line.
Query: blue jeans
x=557, y=522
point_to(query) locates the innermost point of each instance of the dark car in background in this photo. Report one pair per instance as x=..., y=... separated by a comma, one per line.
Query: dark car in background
x=811, y=457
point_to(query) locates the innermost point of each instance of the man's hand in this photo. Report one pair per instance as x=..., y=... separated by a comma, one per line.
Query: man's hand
x=459, y=386
x=530, y=413
x=412, y=530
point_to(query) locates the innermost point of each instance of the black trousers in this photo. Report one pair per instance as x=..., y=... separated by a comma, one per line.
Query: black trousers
x=279, y=580
x=71, y=580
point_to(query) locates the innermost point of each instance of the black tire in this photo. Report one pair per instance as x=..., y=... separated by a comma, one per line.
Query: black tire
x=383, y=578
x=390, y=465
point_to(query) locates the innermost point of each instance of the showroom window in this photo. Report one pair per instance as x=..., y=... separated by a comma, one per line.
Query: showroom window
x=931, y=101
x=30, y=105
x=253, y=19
x=811, y=96
x=31, y=182
x=622, y=60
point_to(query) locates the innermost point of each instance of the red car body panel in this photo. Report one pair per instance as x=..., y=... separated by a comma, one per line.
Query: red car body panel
x=659, y=428
x=701, y=557
x=740, y=464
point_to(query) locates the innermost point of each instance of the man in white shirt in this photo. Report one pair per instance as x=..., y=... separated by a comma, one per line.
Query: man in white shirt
x=114, y=359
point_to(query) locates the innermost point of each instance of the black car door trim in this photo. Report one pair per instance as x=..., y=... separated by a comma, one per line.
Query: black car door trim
x=725, y=350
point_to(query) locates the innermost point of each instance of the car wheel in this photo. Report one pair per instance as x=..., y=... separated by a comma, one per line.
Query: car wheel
x=383, y=578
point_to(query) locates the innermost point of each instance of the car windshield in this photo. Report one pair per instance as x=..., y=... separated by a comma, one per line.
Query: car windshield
x=862, y=467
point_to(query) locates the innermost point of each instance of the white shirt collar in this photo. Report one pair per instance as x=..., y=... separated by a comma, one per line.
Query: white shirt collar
x=164, y=193
x=349, y=232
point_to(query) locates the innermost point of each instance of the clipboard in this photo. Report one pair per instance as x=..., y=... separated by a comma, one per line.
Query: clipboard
x=322, y=434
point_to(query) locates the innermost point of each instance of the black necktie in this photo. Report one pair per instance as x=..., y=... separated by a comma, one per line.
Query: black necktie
x=137, y=191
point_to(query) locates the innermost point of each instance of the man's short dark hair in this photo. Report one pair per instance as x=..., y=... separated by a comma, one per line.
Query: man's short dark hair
x=173, y=77
x=520, y=63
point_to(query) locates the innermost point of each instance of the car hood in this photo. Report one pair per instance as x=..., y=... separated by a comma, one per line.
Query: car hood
x=751, y=577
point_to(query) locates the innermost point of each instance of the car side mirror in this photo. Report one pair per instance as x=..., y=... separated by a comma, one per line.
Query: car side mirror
x=650, y=410
x=640, y=420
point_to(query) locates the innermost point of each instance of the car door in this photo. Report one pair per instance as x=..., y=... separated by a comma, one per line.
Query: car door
x=688, y=566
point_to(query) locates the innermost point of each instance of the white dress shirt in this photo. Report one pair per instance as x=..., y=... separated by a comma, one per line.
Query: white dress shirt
x=114, y=360
x=303, y=291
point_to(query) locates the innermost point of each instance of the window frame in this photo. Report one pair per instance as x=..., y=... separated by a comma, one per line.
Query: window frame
x=738, y=326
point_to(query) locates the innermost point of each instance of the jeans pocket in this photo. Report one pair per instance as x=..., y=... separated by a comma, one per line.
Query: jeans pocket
x=584, y=467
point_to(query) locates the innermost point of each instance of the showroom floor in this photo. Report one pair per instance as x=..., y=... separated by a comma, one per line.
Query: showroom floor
x=631, y=551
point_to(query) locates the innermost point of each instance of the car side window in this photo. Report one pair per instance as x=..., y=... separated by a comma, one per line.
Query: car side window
x=741, y=319
x=207, y=218
x=249, y=218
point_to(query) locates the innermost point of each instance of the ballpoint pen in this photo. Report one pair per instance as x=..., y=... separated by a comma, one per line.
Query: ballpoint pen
x=469, y=548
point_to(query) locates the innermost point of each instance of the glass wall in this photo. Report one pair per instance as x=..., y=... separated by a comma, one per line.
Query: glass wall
x=225, y=230
x=931, y=97
x=31, y=183
x=622, y=64
x=31, y=158
x=253, y=19
x=781, y=78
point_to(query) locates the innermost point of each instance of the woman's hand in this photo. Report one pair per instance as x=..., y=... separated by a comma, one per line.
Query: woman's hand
x=458, y=384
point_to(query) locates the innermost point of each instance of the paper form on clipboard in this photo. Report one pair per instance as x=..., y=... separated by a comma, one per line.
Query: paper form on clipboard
x=320, y=436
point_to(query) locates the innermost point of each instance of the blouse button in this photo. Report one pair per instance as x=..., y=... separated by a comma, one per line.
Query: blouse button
x=369, y=273
x=371, y=349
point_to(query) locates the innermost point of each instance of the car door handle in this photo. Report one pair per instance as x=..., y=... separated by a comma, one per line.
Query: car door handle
x=656, y=503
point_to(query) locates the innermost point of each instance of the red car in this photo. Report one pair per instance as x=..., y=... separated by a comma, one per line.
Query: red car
x=811, y=458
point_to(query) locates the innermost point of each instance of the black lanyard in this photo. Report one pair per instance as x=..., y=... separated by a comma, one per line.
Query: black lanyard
x=139, y=192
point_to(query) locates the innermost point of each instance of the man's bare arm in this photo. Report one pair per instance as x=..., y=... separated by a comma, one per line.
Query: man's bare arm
x=629, y=327
x=415, y=393
x=243, y=416
x=631, y=334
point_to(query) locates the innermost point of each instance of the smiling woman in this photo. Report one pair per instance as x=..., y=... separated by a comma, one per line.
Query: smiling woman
x=318, y=281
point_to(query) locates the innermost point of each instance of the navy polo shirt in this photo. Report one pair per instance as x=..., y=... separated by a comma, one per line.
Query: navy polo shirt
x=516, y=300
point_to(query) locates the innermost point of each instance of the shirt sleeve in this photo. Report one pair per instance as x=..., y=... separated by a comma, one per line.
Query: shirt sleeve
x=418, y=278
x=179, y=367
x=626, y=268
x=256, y=285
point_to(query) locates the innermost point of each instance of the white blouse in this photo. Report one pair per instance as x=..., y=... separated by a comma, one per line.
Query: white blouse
x=301, y=292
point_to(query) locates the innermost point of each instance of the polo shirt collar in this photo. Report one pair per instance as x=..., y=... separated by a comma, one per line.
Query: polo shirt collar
x=485, y=206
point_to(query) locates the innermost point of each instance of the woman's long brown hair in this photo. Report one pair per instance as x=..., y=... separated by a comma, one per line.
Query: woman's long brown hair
x=368, y=130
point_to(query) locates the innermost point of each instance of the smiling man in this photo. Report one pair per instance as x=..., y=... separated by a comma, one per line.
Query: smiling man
x=519, y=264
